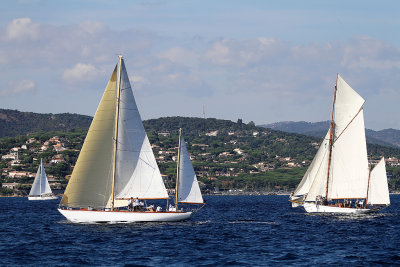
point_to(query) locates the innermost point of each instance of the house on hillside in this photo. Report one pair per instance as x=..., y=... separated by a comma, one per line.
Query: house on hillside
x=20, y=174
x=164, y=133
x=31, y=140
x=212, y=133
x=9, y=156
x=9, y=185
x=57, y=159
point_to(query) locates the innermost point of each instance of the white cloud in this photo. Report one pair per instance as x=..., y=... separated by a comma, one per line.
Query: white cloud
x=92, y=27
x=18, y=87
x=22, y=29
x=181, y=56
x=220, y=53
x=81, y=72
x=290, y=77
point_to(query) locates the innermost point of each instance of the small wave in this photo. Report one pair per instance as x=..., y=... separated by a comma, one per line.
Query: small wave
x=253, y=221
x=203, y=222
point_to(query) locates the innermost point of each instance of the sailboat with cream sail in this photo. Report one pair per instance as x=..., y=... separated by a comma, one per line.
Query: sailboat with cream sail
x=40, y=188
x=116, y=164
x=339, y=179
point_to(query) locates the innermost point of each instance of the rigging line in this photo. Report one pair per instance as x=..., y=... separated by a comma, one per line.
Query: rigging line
x=146, y=163
x=348, y=124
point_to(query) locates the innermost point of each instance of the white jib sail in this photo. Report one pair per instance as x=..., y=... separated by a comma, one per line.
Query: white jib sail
x=137, y=173
x=40, y=184
x=349, y=167
x=318, y=187
x=378, y=193
x=188, y=187
x=313, y=170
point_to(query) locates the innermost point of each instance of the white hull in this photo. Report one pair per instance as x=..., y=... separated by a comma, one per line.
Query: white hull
x=313, y=208
x=42, y=198
x=296, y=204
x=92, y=216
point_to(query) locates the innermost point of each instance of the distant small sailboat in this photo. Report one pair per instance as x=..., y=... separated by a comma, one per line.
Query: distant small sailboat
x=117, y=163
x=338, y=179
x=187, y=187
x=40, y=188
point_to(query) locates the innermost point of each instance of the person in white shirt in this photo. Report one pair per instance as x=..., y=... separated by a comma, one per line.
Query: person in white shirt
x=136, y=204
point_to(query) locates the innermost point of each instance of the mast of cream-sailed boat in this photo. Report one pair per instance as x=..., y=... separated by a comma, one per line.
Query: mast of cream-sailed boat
x=116, y=133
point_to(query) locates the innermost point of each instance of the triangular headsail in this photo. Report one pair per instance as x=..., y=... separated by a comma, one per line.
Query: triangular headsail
x=313, y=172
x=378, y=193
x=40, y=185
x=188, y=186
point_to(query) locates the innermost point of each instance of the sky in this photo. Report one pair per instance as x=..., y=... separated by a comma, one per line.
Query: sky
x=261, y=61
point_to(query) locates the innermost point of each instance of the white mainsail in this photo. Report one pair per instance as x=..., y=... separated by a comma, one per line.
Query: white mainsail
x=349, y=167
x=378, y=193
x=137, y=172
x=188, y=186
x=40, y=185
x=320, y=161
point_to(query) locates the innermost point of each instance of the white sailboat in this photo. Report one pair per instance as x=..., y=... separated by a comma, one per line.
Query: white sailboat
x=187, y=186
x=338, y=179
x=40, y=188
x=116, y=163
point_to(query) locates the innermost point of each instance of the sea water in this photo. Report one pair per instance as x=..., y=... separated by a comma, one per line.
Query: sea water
x=229, y=230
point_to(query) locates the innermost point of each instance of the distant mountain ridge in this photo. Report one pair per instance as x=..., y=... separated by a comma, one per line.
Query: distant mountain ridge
x=387, y=137
x=14, y=122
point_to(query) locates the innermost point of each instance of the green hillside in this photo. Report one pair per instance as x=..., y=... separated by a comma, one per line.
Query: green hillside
x=229, y=156
x=14, y=122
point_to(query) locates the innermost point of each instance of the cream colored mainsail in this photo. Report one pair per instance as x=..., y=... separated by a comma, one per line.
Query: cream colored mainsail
x=91, y=180
x=349, y=167
x=188, y=188
x=378, y=193
x=137, y=172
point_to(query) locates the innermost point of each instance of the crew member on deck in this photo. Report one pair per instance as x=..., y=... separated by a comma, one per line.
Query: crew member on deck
x=130, y=204
x=136, y=204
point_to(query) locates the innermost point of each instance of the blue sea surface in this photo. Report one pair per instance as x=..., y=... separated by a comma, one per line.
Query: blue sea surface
x=229, y=230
